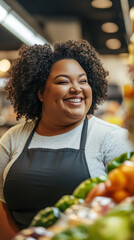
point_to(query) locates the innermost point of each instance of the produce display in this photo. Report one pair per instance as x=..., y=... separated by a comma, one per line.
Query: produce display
x=118, y=224
x=99, y=209
x=32, y=233
x=119, y=185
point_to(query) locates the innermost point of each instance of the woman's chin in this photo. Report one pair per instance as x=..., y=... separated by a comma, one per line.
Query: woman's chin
x=78, y=116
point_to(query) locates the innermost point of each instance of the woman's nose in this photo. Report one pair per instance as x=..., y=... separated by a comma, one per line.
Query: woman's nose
x=75, y=89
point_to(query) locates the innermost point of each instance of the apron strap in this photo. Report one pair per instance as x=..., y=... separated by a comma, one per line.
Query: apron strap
x=84, y=134
x=31, y=135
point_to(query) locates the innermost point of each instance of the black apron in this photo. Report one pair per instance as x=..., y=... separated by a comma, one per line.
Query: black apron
x=41, y=176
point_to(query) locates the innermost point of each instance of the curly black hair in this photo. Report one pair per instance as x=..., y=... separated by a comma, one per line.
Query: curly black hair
x=29, y=73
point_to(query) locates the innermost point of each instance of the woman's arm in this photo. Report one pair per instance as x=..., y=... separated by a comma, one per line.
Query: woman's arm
x=8, y=227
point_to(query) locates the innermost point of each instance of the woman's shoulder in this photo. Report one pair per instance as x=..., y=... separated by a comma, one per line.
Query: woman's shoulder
x=100, y=123
x=19, y=129
x=113, y=138
x=24, y=126
x=106, y=131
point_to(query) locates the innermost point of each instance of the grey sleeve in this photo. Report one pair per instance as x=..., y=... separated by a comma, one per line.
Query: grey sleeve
x=115, y=144
x=5, y=152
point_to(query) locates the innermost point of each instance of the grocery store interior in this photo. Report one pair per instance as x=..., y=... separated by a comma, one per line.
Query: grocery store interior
x=64, y=176
x=107, y=24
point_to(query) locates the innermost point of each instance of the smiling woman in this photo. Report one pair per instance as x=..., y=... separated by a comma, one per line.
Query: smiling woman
x=66, y=99
x=61, y=143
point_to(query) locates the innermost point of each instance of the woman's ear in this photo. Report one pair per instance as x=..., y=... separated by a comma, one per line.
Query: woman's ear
x=40, y=95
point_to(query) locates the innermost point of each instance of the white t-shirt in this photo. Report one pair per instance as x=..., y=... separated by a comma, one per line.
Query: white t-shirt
x=104, y=142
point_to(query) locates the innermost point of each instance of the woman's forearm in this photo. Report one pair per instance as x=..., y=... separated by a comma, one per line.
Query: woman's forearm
x=8, y=227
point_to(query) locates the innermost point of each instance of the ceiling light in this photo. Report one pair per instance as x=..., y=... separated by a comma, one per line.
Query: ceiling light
x=109, y=27
x=23, y=32
x=17, y=26
x=3, y=13
x=101, y=3
x=113, y=43
x=4, y=65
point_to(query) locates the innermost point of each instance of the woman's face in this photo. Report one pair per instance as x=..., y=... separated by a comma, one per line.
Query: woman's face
x=67, y=96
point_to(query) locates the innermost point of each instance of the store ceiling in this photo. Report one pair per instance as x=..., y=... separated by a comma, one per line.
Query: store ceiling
x=67, y=19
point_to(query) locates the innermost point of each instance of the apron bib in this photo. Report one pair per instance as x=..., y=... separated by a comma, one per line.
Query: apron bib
x=41, y=176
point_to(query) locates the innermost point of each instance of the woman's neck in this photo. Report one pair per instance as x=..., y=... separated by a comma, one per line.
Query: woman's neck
x=47, y=128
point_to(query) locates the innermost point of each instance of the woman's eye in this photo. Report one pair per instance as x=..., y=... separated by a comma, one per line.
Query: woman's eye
x=62, y=82
x=83, y=81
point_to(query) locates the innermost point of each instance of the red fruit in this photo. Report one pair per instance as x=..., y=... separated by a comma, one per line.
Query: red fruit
x=98, y=190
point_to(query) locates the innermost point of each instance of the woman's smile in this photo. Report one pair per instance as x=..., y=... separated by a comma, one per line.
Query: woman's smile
x=76, y=101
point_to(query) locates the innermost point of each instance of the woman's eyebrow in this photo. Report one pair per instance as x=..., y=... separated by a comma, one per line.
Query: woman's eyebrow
x=67, y=76
x=61, y=75
x=83, y=74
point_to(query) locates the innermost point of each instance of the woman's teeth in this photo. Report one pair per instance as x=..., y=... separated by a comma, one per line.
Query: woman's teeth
x=74, y=100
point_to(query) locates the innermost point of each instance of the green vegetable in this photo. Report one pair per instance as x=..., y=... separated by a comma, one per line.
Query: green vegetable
x=99, y=179
x=84, y=188
x=46, y=217
x=118, y=224
x=111, y=228
x=116, y=162
x=74, y=233
x=122, y=209
x=67, y=201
